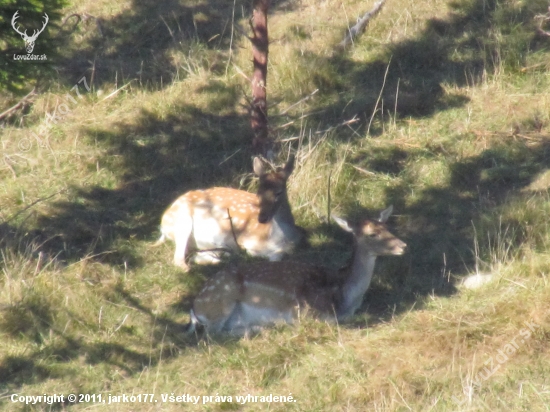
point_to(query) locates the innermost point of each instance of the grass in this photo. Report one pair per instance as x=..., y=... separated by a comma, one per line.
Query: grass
x=440, y=108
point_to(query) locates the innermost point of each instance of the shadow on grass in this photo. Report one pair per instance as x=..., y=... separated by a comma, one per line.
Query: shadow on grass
x=440, y=225
x=478, y=38
x=138, y=42
x=32, y=320
x=437, y=227
x=159, y=157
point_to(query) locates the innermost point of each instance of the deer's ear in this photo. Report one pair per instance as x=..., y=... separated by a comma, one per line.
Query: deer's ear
x=343, y=223
x=289, y=167
x=259, y=166
x=385, y=214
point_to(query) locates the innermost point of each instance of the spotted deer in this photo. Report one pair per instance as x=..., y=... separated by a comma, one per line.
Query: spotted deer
x=220, y=219
x=239, y=300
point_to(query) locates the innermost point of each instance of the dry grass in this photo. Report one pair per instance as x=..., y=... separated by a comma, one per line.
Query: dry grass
x=440, y=108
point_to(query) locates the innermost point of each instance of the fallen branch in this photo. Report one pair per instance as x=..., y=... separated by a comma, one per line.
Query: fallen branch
x=22, y=103
x=361, y=25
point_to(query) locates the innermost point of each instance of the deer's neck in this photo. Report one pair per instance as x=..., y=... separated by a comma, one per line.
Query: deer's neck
x=283, y=225
x=283, y=216
x=356, y=282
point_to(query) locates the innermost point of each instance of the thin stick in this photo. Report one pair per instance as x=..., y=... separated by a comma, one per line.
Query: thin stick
x=240, y=71
x=395, y=105
x=379, y=97
x=328, y=196
x=32, y=204
x=309, y=96
x=229, y=157
x=93, y=75
x=367, y=172
x=169, y=29
x=120, y=325
x=231, y=39
x=233, y=229
x=117, y=90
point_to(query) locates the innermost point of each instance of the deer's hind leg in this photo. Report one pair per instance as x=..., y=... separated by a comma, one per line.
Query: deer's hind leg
x=182, y=234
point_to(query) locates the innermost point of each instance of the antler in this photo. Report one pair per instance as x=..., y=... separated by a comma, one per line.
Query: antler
x=36, y=33
x=15, y=17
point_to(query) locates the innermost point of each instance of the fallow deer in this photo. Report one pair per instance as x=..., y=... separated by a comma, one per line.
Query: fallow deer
x=220, y=219
x=239, y=300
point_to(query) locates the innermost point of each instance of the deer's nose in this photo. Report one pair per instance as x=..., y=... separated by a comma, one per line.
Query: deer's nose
x=400, y=247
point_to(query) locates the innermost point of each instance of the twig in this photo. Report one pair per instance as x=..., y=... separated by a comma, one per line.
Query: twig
x=231, y=38
x=169, y=29
x=309, y=96
x=295, y=120
x=120, y=325
x=240, y=71
x=229, y=157
x=361, y=25
x=367, y=172
x=379, y=97
x=32, y=204
x=354, y=119
x=20, y=104
x=328, y=197
x=233, y=230
x=117, y=90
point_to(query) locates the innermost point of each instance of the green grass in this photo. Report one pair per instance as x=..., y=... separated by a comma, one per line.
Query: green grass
x=441, y=109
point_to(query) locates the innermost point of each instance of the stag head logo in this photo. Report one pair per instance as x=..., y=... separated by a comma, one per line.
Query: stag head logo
x=29, y=40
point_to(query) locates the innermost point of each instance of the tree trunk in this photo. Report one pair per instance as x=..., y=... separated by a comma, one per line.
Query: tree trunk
x=260, y=44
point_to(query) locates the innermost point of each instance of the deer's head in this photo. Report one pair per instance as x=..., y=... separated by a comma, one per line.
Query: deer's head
x=272, y=187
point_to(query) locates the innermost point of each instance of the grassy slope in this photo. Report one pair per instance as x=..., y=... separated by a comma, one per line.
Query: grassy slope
x=457, y=139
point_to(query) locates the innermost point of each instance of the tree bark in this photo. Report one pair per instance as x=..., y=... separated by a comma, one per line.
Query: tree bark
x=260, y=45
